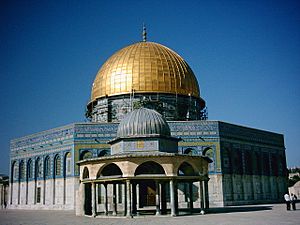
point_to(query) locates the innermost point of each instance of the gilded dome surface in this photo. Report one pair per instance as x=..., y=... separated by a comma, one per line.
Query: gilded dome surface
x=145, y=67
x=143, y=122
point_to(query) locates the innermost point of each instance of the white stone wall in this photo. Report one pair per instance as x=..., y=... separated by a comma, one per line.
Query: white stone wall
x=215, y=190
x=3, y=195
x=59, y=191
x=227, y=188
x=238, y=192
x=273, y=187
x=281, y=187
x=266, y=187
x=14, y=192
x=56, y=194
x=250, y=189
x=31, y=193
x=257, y=187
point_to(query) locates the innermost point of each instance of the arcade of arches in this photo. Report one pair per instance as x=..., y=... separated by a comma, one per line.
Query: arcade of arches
x=158, y=184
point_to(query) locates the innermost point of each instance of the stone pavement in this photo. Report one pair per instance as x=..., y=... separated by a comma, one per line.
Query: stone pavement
x=273, y=214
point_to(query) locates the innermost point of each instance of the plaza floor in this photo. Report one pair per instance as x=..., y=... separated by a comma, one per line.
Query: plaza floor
x=273, y=214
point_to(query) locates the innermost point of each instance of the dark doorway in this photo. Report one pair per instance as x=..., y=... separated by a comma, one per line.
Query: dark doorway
x=87, y=199
x=147, y=192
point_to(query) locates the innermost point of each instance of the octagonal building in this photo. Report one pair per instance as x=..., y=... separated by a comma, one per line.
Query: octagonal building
x=248, y=165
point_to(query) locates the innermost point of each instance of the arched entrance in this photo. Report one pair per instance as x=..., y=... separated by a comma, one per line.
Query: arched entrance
x=88, y=199
x=87, y=193
x=148, y=188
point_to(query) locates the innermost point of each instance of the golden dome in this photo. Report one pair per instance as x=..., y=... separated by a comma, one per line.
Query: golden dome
x=145, y=67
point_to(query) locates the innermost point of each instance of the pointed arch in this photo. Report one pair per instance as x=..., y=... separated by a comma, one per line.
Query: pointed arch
x=189, y=151
x=86, y=155
x=149, y=167
x=110, y=170
x=29, y=169
x=14, y=172
x=21, y=170
x=103, y=153
x=57, y=165
x=210, y=153
x=186, y=169
x=86, y=173
x=38, y=168
x=67, y=164
x=47, y=167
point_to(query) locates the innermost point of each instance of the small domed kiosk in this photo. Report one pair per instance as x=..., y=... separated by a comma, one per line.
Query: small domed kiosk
x=143, y=131
x=144, y=173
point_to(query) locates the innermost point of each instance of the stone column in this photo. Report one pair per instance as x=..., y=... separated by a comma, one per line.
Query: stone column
x=26, y=197
x=137, y=191
x=128, y=198
x=53, y=190
x=173, y=198
x=163, y=202
x=191, y=197
x=157, y=198
x=133, y=198
x=11, y=191
x=206, y=198
x=94, y=209
x=114, y=200
x=44, y=191
x=35, y=189
x=124, y=198
x=201, y=197
x=105, y=199
x=1, y=195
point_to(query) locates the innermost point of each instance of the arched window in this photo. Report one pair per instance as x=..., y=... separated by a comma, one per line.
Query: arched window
x=248, y=164
x=237, y=162
x=110, y=170
x=281, y=163
x=103, y=153
x=257, y=166
x=274, y=164
x=22, y=170
x=47, y=167
x=209, y=152
x=86, y=173
x=189, y=151
x=185, y=169
x=57, y=165
x=86, y=155
x=38, y=168
x=67, y=163
x=14, y=171
x=266, y=164
x=29, y=169
x=149, y=168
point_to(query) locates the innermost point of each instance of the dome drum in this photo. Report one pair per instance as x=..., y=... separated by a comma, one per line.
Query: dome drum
x=173, y=108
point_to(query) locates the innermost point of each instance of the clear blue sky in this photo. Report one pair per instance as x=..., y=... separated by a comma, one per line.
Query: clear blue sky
x=246, y=55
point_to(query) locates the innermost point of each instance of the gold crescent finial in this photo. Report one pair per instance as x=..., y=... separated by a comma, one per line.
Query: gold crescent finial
x=144, y=33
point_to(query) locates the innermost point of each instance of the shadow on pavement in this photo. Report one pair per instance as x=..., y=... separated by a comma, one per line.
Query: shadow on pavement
x=239, y=209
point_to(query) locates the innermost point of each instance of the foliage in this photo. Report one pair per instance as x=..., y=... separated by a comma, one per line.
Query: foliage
x=293, y=180
x=294, y=170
